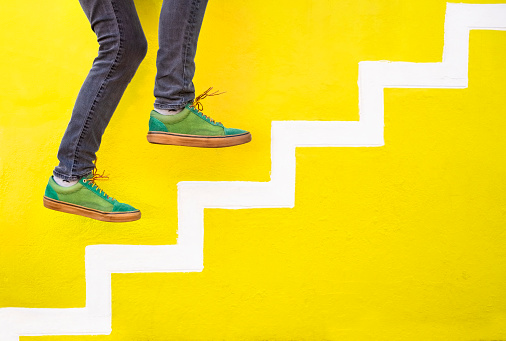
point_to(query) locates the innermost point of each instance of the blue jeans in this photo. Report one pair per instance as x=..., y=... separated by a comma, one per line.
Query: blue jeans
x=122, y=48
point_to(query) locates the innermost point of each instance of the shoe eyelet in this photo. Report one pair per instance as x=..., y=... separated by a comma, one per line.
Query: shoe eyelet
x=84, y=180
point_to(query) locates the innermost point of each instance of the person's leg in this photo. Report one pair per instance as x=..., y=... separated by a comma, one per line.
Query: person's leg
x=178, y=32
x=122, y=48
x=179, y=28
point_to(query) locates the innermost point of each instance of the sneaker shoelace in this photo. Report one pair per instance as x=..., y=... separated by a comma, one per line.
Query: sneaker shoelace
x=197, y=105
x=96, y=176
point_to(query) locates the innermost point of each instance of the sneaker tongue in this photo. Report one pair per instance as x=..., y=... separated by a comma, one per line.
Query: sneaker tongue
x=89, y=176
x=96, y=188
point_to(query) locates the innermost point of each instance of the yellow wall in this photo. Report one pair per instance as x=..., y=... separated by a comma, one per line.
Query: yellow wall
x=401, y=242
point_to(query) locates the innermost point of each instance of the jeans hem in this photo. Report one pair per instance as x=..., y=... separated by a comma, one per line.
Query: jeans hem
x=172, y=106
x=69, y=178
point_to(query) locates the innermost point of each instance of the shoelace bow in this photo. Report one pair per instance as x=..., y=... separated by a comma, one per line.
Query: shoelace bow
x=96, y=176
x=198, y=105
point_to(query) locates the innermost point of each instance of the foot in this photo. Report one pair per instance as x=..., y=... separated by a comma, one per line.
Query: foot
x=86, y=199
x=192, y=128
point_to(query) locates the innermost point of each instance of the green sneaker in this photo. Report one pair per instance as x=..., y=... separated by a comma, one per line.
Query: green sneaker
x=192, y=128
x=86, y=199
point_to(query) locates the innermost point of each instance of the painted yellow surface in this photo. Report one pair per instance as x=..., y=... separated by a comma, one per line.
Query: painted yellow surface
x=401, y=242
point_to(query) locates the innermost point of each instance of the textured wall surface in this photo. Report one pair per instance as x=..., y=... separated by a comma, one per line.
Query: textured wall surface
x=399, y=242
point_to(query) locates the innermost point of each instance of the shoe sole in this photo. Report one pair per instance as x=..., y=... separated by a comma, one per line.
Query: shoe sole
x=198, y=140
x=115, y=217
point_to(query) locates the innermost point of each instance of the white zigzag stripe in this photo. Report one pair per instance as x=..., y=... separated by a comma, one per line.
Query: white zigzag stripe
x=193, y=197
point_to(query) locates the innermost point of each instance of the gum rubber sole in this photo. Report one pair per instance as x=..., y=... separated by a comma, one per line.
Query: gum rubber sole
x=116, y=217
x=160, y=137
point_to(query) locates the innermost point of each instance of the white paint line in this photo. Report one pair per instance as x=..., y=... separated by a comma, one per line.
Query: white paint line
x=193, y=197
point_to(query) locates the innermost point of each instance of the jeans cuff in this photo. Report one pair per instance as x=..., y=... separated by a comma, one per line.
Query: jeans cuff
x=69, y=178
x=172, y=106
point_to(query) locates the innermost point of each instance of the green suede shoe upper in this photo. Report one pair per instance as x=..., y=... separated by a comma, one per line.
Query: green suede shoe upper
x=189, y=121
x=87, y=194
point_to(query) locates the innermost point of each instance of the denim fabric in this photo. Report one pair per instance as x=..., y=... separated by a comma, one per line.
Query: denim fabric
x=122, y=47
x=177, y=48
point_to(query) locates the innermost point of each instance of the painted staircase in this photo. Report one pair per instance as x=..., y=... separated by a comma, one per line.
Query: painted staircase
x=187, y=255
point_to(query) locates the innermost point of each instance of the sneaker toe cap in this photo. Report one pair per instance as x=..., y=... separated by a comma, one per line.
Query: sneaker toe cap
x=121, y=207
x=234, y=131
